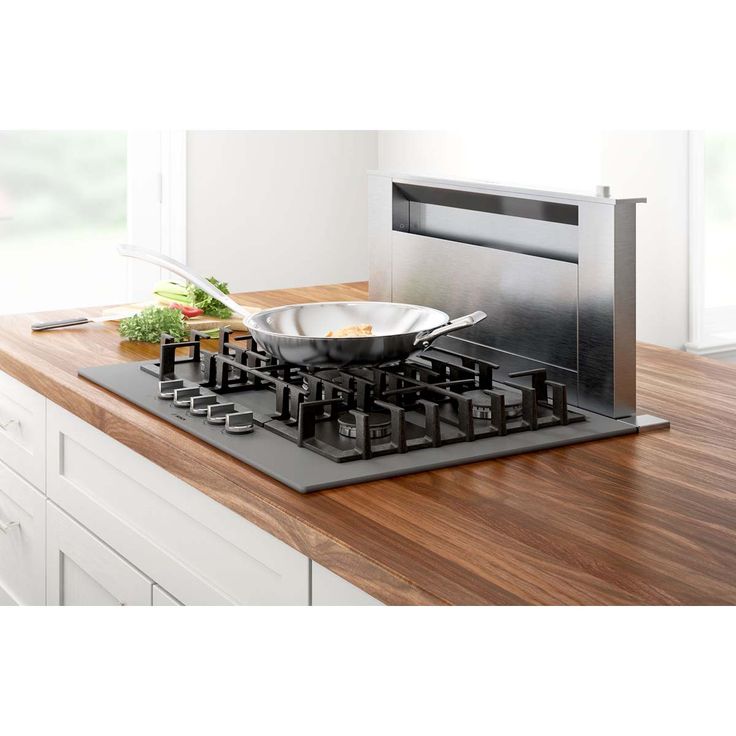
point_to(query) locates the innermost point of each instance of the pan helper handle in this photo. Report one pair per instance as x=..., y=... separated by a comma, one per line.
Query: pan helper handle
x=425, y=339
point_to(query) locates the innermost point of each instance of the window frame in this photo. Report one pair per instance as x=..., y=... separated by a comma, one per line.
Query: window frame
x=156, y=204
x=699, y=341
x=155, y=212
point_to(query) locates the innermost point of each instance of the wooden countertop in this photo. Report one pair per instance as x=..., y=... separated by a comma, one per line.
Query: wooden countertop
x=641, y=519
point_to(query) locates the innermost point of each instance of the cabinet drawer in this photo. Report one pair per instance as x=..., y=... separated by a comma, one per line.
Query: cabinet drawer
x=22, y=540
x=83, y=571
x=22, y=430
x=329, y=589
x=199, y=551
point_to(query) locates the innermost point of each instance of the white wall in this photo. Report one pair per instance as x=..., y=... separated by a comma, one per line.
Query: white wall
x=654, y=164
x=557, y=159
x=269, y=210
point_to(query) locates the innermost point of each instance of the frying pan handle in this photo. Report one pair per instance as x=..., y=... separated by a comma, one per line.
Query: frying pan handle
x=131, y=251
x=429, y=336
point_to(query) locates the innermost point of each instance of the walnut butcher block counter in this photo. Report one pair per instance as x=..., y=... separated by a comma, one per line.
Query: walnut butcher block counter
x=640, y=519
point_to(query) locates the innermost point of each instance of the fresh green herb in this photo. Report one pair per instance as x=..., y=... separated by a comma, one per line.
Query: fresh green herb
x=148, y=324
x=210, y=306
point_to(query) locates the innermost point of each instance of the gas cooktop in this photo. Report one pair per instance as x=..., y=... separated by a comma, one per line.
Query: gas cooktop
x=315, y=429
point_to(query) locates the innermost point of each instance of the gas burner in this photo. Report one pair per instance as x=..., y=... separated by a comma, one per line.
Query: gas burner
x=482, y=402
x=379, y=425
x=406, y=408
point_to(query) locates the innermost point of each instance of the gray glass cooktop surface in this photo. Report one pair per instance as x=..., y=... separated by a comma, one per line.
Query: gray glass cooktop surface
x=304, y=470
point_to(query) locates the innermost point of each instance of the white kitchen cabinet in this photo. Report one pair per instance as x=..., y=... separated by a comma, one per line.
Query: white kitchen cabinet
x=329, y=589
x=83, y=571
x=22, y=541
x=196, y=549
x=118, y=529
x=22, y=430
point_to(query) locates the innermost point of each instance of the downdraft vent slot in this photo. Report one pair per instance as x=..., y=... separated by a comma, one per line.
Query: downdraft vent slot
x=530, y=226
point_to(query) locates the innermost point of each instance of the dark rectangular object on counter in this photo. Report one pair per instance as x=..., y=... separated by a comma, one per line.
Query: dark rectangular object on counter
x=304, y=470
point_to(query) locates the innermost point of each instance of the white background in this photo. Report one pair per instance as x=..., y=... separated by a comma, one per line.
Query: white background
x=391, y=66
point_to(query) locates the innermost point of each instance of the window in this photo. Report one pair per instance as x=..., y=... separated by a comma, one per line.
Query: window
x=712, y=242
x=68, y=198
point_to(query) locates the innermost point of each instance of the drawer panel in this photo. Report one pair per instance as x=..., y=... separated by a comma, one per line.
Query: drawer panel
x=196, y=549
x=22, y=540
x=83, y=571
x=22, y=430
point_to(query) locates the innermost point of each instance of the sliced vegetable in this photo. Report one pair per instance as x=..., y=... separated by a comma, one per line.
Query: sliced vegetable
x=172, y=291
x=172, y=287
x=186, y=310
x=174, y=294
x=212, y=307
x=147, y=325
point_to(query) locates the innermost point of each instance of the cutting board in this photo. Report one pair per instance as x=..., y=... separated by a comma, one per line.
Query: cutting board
x=203, y=322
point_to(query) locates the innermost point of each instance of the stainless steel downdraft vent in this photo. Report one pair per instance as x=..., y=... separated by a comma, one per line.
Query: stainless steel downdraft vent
x=555, y=272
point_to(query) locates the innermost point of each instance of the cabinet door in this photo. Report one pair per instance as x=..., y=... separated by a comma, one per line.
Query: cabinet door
x=83, y=571
x=329, y=589
x=23, y=430
x=196, y=549
x=22, y=541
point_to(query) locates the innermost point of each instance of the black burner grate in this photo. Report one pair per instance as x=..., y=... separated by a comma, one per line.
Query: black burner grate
x=358, y=412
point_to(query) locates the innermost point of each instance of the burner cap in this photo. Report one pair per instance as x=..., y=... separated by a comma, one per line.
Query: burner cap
x=379, y=425
x=482, y=402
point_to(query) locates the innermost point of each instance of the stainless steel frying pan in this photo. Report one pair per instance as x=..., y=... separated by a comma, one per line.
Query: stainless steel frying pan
x=296, y=333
